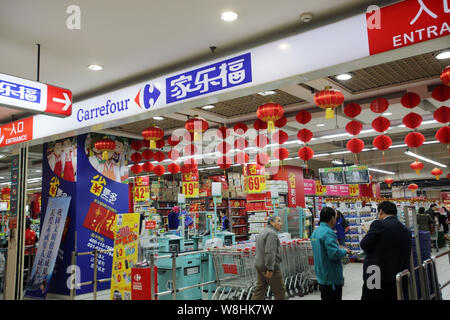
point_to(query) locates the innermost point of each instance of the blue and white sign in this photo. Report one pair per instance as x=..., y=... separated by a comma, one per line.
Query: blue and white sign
x=22, y=93
x=221, y=75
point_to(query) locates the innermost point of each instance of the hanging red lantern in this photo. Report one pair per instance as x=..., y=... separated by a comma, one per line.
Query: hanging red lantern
x=196, y=126
x=146, y=143
x=303, y=117
x=240, y=128
x=224, y=162
x=389, y=181
x=136, y=168
x=355, y=145
x=442, y=114
x=259, y=125
x=412, y=120
x=153, y=134
x=173, y=141
x=223, y=147
x=437, y=173
x=414, y=139
x=280, y=137
x=413, y=187
x=241, y=143
x=441, y=93
x=306, y=153
x=148, y=166
x=281, y=153
x=262, y=158
x=417, y=166
x=280, y=123
x=448, y=176
x=105, y=145
x=352, y=110
x=382, y=143
x=445, y=76
x=136, y=145
x=241, y=158
x=270, y=112
x=160, y=143
x=147, y=154
x=173, y=155
x=173, y=168
x=191, y=164
x=159, y=156
x=329, y=99
x=304, y=135
x=443, y=136
x=354, y=127
x=223, y=132
x=190, y=149
x=136, y=157
x=381, y=124
x=379, y=105
x=261, y=140
x=410, y=100
x=159, y=170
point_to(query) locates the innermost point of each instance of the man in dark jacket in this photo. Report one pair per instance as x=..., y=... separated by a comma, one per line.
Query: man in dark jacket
x=387, y=245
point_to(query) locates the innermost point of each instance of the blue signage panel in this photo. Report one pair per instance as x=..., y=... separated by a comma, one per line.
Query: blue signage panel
x=20, y=92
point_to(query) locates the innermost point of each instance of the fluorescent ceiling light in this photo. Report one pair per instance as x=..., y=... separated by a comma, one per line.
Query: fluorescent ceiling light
x=381, y=171
x=229, y=16
x=344, y=76
x=340, y=152
x=367, y=131
x=320, y=125
x=431, y=142
x=398, y=146
x=266, y=93
x=321, y=155
x=387, y=114
x=158, y=118
x=209, y=106
x=443, y=55
x=337, y=162
x=414, y=155
x=2, y=156
x=95, y=67
x=335, y=136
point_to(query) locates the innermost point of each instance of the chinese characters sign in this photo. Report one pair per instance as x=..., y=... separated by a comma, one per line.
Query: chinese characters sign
x=190, y=184
x=255, y=179
x=219, y=76
x=99, y=189
x=16, y=132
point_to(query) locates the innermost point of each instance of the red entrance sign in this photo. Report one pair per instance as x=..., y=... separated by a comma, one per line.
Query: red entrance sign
x=407, y=23
x=16, y=132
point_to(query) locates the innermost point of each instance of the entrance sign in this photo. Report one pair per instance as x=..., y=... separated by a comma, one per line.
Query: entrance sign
x=16, y=132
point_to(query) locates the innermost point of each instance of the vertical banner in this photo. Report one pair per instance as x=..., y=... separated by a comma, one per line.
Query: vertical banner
x=296, y=185
x=255, y=179
x=47, y=252
x=126, y=231
x=190, y=184
x=309, y=187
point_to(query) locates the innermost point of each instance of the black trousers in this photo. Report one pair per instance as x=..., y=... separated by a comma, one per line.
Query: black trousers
x=327, y=293
x=388, y=292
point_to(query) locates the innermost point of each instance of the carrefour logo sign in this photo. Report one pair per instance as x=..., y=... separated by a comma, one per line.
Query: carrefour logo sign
x=147, y=97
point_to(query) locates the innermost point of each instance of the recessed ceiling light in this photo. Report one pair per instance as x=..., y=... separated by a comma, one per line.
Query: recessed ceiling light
x=387, y=114
x=320, y=125
x=344, y=76
x=95, y=67
x=210, y=106
x=158, y=118
x=229, y=16
x=443, y=55
x=266, y=93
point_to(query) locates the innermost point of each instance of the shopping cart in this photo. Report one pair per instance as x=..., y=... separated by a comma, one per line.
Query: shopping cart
x=308, y=282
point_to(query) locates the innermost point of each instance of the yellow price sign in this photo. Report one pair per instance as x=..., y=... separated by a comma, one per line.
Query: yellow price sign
x=353, y=189
x=256, y=184
x=141, y=193
x=191, y=189
x=320, y=189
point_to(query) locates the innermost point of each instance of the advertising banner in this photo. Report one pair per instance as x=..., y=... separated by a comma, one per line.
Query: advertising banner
x=50, y=237
x=255, y=179
x=190, y=184
x=320, y=189
x=309, y=187
x=126, y=231
x=338, y=190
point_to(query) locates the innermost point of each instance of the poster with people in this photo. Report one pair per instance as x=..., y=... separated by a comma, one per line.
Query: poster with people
x=50, y=238
x=62, y=158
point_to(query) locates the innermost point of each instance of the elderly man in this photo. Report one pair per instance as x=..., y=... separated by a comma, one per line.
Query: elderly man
x=268, y=260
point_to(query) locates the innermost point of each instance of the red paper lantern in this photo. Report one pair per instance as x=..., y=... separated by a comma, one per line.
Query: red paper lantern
x=136, y=145
x=280, y=137
x=448, y=176
x=355, y=145
x=223, y=132
x=445, y=76
x=224, y=162
x=412, y=120
x=105, y=145
x=173, y=168
x=261, y=140
x=437, y=173
x=136, y=168
x=353, y=127
x=196, y=126
x=241, y=158
x=443, y=135
x=240, y=128
x=379, y=105
x=414, y=139
x=173, y=155
x=160, y=143
x=389, y=181
x=262, y=158
x=303, y=117
x=305, y=153
x=281, y=122
x=147, y=154
x=416, y=166
x=190, y=149
x=270, y=112
x=281, y=153
x=413, y=187
x=241, y=143
x=159, y=156
x=381, y=124
x=146, y=143
x=159, y=170
x=382, y=142
x=352, y=110
x=442, y=114
x=153, y=134
x=329, y=99
x=148, y=166
x=259, y=125
x=441, y=93
x=173, y=140
x=410, y=100
x=136, y=157
x=223, y=147
x=304, y=135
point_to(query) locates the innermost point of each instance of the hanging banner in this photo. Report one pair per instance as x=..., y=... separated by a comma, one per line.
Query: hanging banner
x=320, y=189
x=126, y=232
x=50, y=237
x=353, y=190
x=338, y=190
x=190, y=184
x=255, y=179
x=309, y=187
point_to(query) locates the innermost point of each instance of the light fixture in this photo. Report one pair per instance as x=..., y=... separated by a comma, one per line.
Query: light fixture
x=284, y=46
x=344, y=76
x=381, y=171
x=229, y=16
x=321, y=155
x=337, y=162
x=341, y=152
x=158, y=118
x=443, y=55
x=414, y=155
x=208, y=107
x=95, y=67
x=387, y=114
x=266, y=93
x=320, y=125
x=335, y=136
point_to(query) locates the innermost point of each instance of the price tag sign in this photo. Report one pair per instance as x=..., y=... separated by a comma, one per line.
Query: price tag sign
x=191, y=189
x=141, y=193
x=150, y=225
x=256, y=184
x=320, y=189
x=353, y=190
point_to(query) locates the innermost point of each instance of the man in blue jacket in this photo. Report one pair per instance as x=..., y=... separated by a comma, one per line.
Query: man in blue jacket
x=328, y=256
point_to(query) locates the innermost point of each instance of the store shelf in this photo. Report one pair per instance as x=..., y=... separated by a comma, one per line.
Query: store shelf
x=239, y=225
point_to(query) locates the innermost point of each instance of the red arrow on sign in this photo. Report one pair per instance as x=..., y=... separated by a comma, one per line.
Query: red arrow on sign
x=59, y=101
